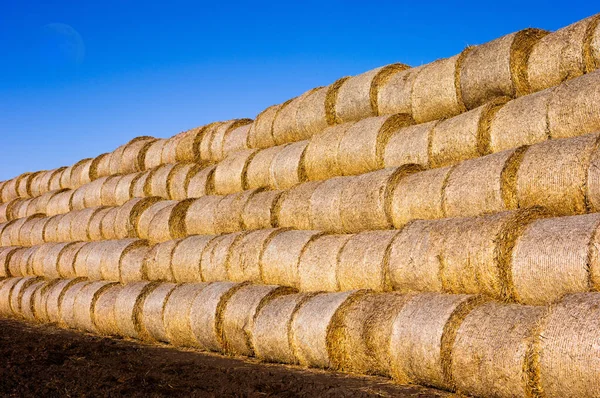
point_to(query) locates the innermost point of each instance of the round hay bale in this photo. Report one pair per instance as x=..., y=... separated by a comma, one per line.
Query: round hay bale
x=553, y=174
x=261, y=131
x=285, y=123
x=244, y=263
x=259, y=211
x=154, y=153
x=288, y=167
x=38, y=231
x=331, y=100
x=362, y=147
x=60, y=202
x=483, y=185
x=180, y=179
x=95, y=225
x=9, y=190
x=176, y=314
x=188, y=146
x=134, y=155
x=239, y=312
x=491, y=349
x=566, y=352
x=93, y=259
x=206, y=314
x=186, y=258
x=40, y=298
x=132, y=262
x=26, y=306
x=465, y=136
x=5, y=255
x=138, y=186
x=93, y=191
x=157, y=265
x=100, y=166
x=6, y=287
x=24, y=185
x=67, y=303
x=14, y=229
x=217, y=143
x=281, y=257
x=169, y=153
x=16, y=294
x=169, y=223
x=128, y=216
x=80, y=224
x=230, y=174
x=560, y=55
x=158, y=183
x=27, y=230
x=395, y=94
x=215, y=257
x=84, y=304
x=65, y=178
x=200, y=218
x=202, y=183
x=311, y=327
x=54, y=298
x=573, y=107
x=498, y=68
x=36, y=185
x=80, y=262
x=363, y=262
x=321, y=155
x=367, y=199
x=409, y=145
x=230, y=209
x=63, y=227
x=104, y=311
x=325, y=205
x=51, y=261
x=20, y=262
x=77, y=201
x=39, y=262
x=66, y=259
x=236, y=140
x=310, y=115
x=145, y=219
x=124, y=189
x=205, y=144
x=552, y=258
x=82, y=172
x=113, y=255
x=419, y=196
x=270, y=333
x=51, y=231
x=5, y=210
x=151, y=323
x=108, y=224
x=436, y=92
x=258, y=172
x=128, y=307
x=108, y=191
x=293, y=207
x=423, y=335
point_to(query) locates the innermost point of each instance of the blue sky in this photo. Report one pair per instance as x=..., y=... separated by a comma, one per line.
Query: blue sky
x=79, y=78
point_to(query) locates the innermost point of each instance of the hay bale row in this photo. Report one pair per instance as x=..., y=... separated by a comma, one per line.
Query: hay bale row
x=201, y=183
x=285, y=124
x=218, y=137
x=187, y=146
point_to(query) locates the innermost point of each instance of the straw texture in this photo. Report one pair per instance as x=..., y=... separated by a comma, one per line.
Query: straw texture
x=321, y=156
x=202, y=183
x=285, y=124
x=317, y=268
x=201, y=216
x=104, y=311
x=409, y=145
x=287, y=168
x=230, y=174
x=186, y=258
x=151, y=321
x=395, y=94
x=325, y=205
x=258, y=173
x=216, y=255
x=261, y=131
x=293, y=208
x=259, y=210
x=244, y=263
x=310, y=116
x=128, y=307
x=176, y=314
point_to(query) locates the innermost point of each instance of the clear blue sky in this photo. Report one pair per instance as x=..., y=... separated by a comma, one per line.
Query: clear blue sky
x=78, y=78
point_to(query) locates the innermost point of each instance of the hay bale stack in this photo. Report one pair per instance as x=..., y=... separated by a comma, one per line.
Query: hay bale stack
x=363, y=262
x=6, y=287
x=287, y=168
x=244, y=262
x=230, y=209
x=153, y=156
x=321, y=156
x=84, y=304
x=219, y=135
x=230, y=174
x=216, y=255
x=367, y=199
x=483, y=185
x=129, y=214
x=55, y=298
x=57, y=202
x=17, y=292
x=561, y=55
x=80, y=262
x=159, y=181
x=95, y=225
x=5, y=255
x=128, y=307
x=311, y=117
x=261, y=131
x=285, y=123
x=409, y=145
x=180, y=179
x=145, y=218
x=138, y=186
x=553, y=258
x=93, y=193
x=271, y=329
x=566, y=358
x=20, y=262
x=464, y=136
x=67, y=258
x=9, y=190
x=100, y=166
x=51, y=231
x=124, y=189
x=10, y=234
x=89, y=261
x=573, y=108
x=258, y=172
x=281, y=257
x=29, y=232
x=40, y=298
x=325, y=205
x=202, y=183
x=259, y=211
x=108, y=192
x=176, y=314
x=293, y=208
x=42, y=260
x=152, y=326
x=108, y=224
x=132, y=262
x=205, y=145
x=239, y=313
x=201, y=216
x=113, y=258
x=56, y=178
x=553, y=174
x=169, y=152
x=82, y=172
x=395, y=94
x=498, y=68
x=186, y=258
x=491, y=352
x=63, y=227
x=423, y=335
x=80, y=224
x=26, y=306
x=169, y=223
x=24, y=185
x=134, y=154
x=5, y=210
x=157, y=265
x=236, y=139
x=188, y=145
x=104, y=311
x=67, y=303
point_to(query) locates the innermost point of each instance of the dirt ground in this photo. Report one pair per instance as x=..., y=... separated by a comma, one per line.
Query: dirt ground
x=45, y=361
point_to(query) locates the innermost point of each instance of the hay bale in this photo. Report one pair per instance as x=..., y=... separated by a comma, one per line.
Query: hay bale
x=112, y=257
x=169, y=223
x=270, y=334
x=230, y=209
x=188, y=146
x=230, y=174
x=100, y=166
x=95, y=225
x=220, y=134
x=154, y=153
x=362, y=147
x=244, y=263
x=310, y=115
x=238, y=314
x=108, y=224
x=51, y=229
x=201, y=216
x=6, y=287
x=236, y=139
x=285, y=123
x=129, y=214
x=325, y=205
x=128, y=307
x=138, y=186
x=321, y=155
x=395, y=94
x=81, y=173
x=84, y=304
x=80, y=224
x=287, y=168
x=483, y=185
x=151, y=323
x=180, y=179
x=20, y=262
x=293, y=208
x=93, y=260
x=17, y=292
x=40, y=298
x=491, y=350
x=367, y=199
x=215, y=257
x=157, y=265
x=134, y=155
x=363, y=261
x=261, y=131
x=423, y=335
x=436, y=92
x=498, y=68
x=464, y=136
x=42, y=260
x=409, y=145
x=158, y=182
x=55, y=297
x=566, y=352
x=63, y=227
x=28, y=232
x=553, y=174
x=24, y=185
x=104, y=311
x=5, y=255
x=26, y=306
x=205, y=145
x=176, y=314
x=259, y=211
x=258, y=172
x=186, y=258
x=80, y=262
x=13, y=230
x=66, y=309
x=66, y=259
x=132, y=262
x=145, y=218
x=5, y=210
x=552, y=258
x=560, y=55
x=202, y=183
x=108, y=191
x=331, y=100
x=169, y=153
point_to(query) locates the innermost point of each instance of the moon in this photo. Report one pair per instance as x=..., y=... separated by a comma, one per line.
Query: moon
x=61, y=46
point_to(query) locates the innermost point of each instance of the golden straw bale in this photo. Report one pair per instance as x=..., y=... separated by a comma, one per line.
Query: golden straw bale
x=498, y=68
x=230, y=174
x=151, y=321
x=168, y=223
x=409, y=145
x=113, y=257
x=20, y=262
x=285, y=123
x=132, y=262
x=186, y=258
x=95, y=225
x=553, y=174
x=180, y=179
x=573, y=107
x=176, y=314
x=80, y=262
x=258, y=172
x=24, y=184
x=17, y=293
x=14, y=230
x=395, y=94
x=27, y=233
x=66, y=259
x=5, y=210
x=145, y=218
x=261, y=131
x=66, y=309
x=331, y=100
x=51, y=230
x=63, y=227
x=228, y=217
x=108, y=191
x=48, y=265
x=37, y=184
x=281, y=257
x=244, y=263
x=158, y=182
x=82, y=172
x=216, y=255
x=325, y=205
x=169, y=152
x=236, y=139
x=259, y=211
x=204, y=146
x=55, y=179
x=61, y=202
x=560, y=55
x=200, y=218
x=270, y=333
x=293, y=208
x=423, y=335
x=27, y=310
x=6, y=288
x=593, y=43
x=80, y=224
x=104, y=311
x=9, y=190
x=129, y=214
x=153, y=157
x=93, y=259
x=188, y=146
x=100, y=166
x=38, y=231
x=218, y=138
x=84, y=304
x=202, y=183
x=310, y=116
x=108, y=224
x=128, y=307
x=321, y=156
x=40, y=298
x=138, y=186
x=134, y=155
x=124, y=189
x=55, y=297
x=5, y=255
x=287, y=168
x=157, y=265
